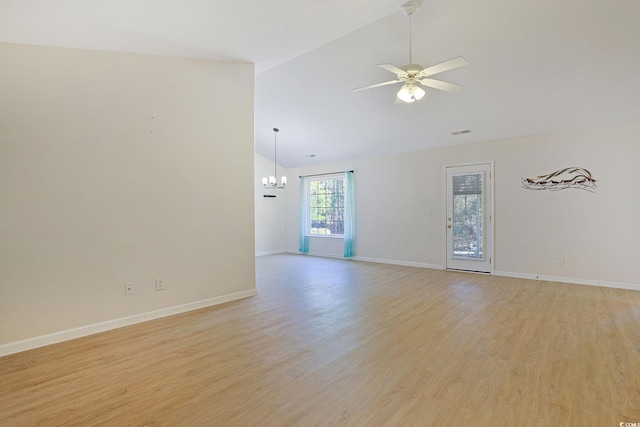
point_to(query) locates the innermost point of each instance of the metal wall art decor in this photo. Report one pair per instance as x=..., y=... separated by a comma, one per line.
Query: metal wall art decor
x=572, y=177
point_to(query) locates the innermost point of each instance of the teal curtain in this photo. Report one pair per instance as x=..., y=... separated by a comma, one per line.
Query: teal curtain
x=349, y=215
x=304, y=215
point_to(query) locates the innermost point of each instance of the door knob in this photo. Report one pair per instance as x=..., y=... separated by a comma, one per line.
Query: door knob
x=449, y=226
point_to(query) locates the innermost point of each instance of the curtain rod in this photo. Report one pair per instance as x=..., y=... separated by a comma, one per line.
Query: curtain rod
x=328, y=173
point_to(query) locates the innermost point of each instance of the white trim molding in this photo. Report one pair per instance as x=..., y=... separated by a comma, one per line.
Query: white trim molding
x=377, y=260
x=399, y=262
x=83, y=331
x=570, y=280
x=490, y=232
x=264, y=253
x=539, y=277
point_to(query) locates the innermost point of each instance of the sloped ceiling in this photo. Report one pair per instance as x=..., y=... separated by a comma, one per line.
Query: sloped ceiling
x=535, y=67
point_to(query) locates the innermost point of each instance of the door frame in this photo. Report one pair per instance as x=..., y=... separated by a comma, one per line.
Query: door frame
x=489, y=233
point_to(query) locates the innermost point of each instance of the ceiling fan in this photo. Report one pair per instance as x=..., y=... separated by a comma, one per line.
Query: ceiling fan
x=413, y=74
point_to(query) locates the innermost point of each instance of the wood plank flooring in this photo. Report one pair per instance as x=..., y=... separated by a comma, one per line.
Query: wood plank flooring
x=330, y=342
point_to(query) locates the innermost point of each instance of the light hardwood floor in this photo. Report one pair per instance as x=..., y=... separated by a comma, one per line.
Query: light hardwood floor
x=345, y=343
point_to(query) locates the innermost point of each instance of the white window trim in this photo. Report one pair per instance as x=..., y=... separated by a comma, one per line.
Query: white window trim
x=340, y=175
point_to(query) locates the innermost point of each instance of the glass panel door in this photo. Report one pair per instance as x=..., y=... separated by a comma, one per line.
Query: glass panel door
x=467, y=216
x=468, y=197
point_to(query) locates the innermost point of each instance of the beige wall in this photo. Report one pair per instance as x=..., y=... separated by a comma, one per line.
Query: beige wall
x=270, y=211
x=597, y=233
x=120, y=168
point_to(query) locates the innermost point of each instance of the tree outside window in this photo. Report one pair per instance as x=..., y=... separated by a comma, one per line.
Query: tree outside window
x=467, y=216
x=326, y=206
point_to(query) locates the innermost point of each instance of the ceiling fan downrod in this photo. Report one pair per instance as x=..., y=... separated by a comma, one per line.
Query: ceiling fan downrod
x=409, y=9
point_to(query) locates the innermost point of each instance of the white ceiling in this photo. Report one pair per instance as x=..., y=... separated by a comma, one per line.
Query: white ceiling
x=535, y=67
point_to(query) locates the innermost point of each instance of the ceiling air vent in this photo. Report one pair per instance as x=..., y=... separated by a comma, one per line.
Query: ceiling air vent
x=461, y=132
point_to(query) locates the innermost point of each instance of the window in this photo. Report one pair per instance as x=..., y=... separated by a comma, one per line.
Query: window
x=467, y=215
x=326, y=206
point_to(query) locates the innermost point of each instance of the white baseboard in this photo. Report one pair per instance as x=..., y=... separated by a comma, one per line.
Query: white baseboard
x=318, y=254
x=264, y=253
x=570, y=280
x=398, y=262
x=378, y=260
x=83, y=331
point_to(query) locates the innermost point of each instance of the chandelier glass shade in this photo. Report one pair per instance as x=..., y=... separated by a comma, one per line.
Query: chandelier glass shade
x=271, y=182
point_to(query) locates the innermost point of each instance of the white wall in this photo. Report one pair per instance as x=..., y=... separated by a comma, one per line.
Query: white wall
x=120, y=168
x=597, y=233
x=270, y=211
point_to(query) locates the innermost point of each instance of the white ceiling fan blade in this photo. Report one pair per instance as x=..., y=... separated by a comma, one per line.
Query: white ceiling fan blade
x=390, y=82
x=443, y=66
x=439, y=84
x=395, y=70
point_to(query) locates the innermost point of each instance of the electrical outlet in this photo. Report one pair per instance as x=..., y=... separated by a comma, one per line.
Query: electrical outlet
x=561, y=260
x=393, y=247
x=159, y=284
x=128, y=288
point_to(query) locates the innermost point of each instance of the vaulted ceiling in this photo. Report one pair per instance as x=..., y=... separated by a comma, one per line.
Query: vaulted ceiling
x=534, y=67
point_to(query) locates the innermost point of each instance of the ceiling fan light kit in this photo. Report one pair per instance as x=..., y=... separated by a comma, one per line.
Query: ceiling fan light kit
x=414, y=75
x=410, y=93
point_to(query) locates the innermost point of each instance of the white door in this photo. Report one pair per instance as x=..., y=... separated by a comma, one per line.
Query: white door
x=469, y=222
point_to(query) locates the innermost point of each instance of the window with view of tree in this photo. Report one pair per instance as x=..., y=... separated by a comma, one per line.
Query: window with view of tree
x=468, y=216
x=326, y=206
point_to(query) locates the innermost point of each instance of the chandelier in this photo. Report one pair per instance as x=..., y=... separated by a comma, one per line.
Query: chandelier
x=272, y=181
